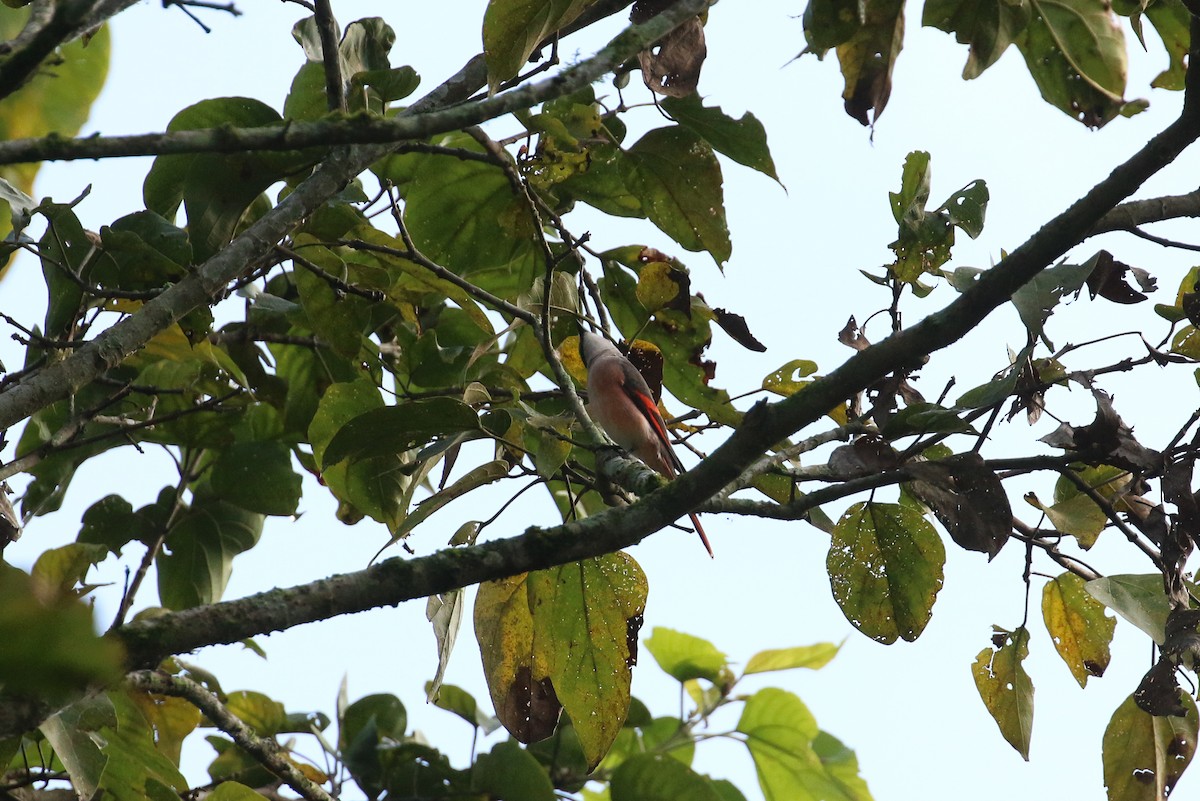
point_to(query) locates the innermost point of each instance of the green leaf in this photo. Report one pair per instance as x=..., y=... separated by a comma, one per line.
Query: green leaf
x=147, y=251
x=988, y=26
x=781, y=734
x=521, y=624
x=684, y=657
x=199, y=550
x=257, y=476
x=513, y=29
x=595, y=605
x=1140, y=599
x=233, y=791
x=217, y=188
x=264, y=715
x=458, y=701
x=655, y=777
x=1075, y=51
x=391, y=430
x=363, y=728
x=829, y=23
x=63, y=567
x=885, y=567
x=1171, y=20
x=465, y=216
x=967, y=207
x=744, y=140
x=110, y=522
x=337, y=319
x=135, y=769
x=50, y=647
x=675, y=175
x=804, y=656
x=1078, y=625
x=1036, y=300
x=480, y=476
x=1005, y=687
x=511, y=773
x=69, y=732
x=1144, y=755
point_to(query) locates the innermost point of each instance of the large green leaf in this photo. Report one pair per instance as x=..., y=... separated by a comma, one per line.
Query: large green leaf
x=107, y=745
x=512, y=30
x=217, y=188
x=1078, y=625
x=587, y=615
x=675, y=175
x=465, y=216
x=395, y=429
x=1005, y=687
x=257, y=476
x=885, y=567
x=744, y=140
x=1144, y=755
x=50, y=647
x=563, y=638
x=781, y=734
x=1075, y=51
x=511, y=772
x=829, y=23
x=196, y=564
x=656, y=777
x=1140, y=599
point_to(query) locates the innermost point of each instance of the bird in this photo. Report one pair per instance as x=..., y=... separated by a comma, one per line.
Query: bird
x=619, y=399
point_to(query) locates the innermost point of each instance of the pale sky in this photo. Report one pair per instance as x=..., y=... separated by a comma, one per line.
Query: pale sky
x=910, y=711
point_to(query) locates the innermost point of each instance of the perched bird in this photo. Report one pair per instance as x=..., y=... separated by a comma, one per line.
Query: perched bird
x=619, y=399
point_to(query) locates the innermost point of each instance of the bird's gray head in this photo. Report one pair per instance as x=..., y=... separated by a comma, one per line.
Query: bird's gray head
x=593, y=345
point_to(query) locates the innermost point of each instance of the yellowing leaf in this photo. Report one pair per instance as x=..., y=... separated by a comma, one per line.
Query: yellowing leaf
x=1005, y=687
x=563, y=638
x=804, y=656
x=1144, y=755
x=1078, y=625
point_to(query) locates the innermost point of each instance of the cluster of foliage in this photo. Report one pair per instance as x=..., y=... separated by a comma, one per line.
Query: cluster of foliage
x=412, y=286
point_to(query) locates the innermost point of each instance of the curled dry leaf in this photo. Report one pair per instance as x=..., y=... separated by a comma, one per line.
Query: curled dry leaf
x=672, y=66
x=1108, y=435
x=1108, y=280
x=735, y=325
x=852, y=336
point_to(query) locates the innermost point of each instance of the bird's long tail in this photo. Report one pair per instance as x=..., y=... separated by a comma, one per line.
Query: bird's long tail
x=700, y=530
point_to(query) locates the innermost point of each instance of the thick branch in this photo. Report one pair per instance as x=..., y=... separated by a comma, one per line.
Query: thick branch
x=1128, y=216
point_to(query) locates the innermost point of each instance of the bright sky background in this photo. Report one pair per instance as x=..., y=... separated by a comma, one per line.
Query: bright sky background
x=910, y=711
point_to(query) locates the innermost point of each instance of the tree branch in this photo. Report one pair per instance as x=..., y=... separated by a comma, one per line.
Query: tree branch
x=264, y=749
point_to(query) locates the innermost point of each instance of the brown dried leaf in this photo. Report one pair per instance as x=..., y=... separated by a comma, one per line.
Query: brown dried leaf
x=672, y=66
x=735, y=325
x=1108, y=280
x=967, y=498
